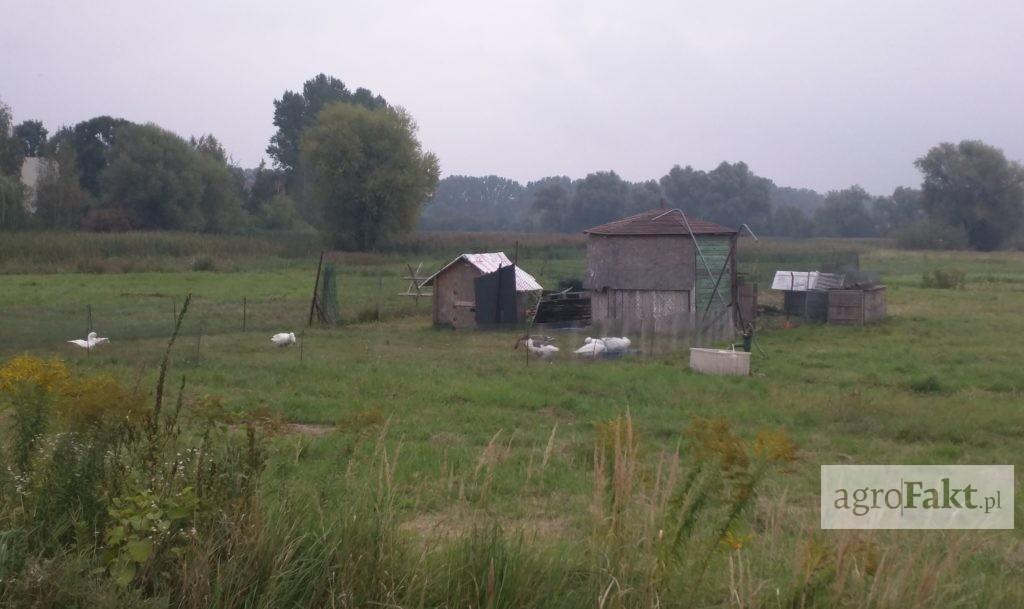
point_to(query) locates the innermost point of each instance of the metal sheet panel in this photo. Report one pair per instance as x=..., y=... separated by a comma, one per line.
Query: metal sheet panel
x=488, y=263
x=802, y=281
x=496, y=298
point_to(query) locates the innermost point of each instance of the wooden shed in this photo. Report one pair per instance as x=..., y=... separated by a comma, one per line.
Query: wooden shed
x=856, y=307
x=455, y=285
x=660, y=269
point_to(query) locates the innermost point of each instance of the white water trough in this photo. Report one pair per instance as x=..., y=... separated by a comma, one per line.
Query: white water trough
x=720, y=361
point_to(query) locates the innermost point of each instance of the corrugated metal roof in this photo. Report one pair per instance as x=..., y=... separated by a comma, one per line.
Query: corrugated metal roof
x=802, y=281
x=660, y=222
x=488, y=263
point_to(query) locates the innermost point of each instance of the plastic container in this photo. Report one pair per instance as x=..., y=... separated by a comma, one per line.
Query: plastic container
x=720, y=361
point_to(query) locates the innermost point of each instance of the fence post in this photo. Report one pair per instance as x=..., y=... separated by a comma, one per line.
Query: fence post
x=380, y=288
x=88, y=323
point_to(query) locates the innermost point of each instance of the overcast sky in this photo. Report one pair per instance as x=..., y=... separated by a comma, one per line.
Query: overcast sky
x=814, y=93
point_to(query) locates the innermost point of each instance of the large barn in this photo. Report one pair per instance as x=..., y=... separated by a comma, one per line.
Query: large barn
x=659, y=270
x=456, y=285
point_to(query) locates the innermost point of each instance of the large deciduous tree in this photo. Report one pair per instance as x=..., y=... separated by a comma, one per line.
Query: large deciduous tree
x=599, y=197
x=92, y=141
x=730, y=194
x=12, y=206
x=845, y=213
x=551, y=202
x=31, y=135
x=370, y=175
x=295, y=112
x=61, y=202
x=10, y=149
x=157, y=180
x=791, y=221
x=973, y=185
x=474, y=203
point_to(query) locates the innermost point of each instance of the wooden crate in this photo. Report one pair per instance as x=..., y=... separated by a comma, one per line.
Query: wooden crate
x=856, y=307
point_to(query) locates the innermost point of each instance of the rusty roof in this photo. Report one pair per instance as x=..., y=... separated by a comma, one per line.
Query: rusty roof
x=660, y=222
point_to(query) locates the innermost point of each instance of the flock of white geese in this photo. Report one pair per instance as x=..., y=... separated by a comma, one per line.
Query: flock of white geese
x=93, y=340
x=541, y=348
x=592, y=348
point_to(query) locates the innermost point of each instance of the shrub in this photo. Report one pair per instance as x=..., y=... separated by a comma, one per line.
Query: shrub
x=89, y=469
x=952, y=279
x=203, y=263
x=929, y=384
x=91, y=266
x=929, y=235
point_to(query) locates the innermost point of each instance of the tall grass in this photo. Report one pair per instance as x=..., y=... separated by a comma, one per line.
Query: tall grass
x=50, y=251
x=175, y=520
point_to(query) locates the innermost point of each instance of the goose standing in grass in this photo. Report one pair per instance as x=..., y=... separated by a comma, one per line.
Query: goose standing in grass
x=91, y=341
x=283, y=339
x=542, y=349
x=592, y=347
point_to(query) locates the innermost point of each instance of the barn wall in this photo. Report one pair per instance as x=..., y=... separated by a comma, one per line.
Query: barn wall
x=454, y=295
x=639, y=262
x=629, y=311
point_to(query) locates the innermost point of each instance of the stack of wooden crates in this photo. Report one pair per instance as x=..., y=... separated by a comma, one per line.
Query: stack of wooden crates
x=856, y=307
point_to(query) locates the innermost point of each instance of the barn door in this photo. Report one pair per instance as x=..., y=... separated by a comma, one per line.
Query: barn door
x=496, y=298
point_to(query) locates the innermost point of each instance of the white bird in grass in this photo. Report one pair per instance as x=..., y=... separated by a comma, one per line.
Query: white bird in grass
x=592, y=347
x=283, y=339
x=541, y=349
x=617, y=344
x=91, y=341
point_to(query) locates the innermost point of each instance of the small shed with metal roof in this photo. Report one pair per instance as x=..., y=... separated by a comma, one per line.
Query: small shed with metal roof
x=662, y=268
x=456, y=286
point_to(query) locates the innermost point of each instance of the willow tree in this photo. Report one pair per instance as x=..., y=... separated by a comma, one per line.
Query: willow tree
x=370, y=175
x=974, y=186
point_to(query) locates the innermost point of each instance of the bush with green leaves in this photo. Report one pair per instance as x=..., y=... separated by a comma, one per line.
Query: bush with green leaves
x=944, y=279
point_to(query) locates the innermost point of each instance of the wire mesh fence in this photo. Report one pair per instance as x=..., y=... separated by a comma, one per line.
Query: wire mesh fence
x=138, y=319
x=646, y=337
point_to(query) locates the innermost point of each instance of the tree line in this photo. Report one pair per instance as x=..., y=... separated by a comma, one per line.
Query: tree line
x=971, y=196
x=345, y=163
x=348, y=163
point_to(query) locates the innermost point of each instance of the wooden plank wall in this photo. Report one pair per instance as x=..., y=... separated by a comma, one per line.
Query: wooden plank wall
x=856, y=307
x=716, y=252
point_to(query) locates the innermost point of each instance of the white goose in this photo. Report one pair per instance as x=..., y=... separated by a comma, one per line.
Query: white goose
x=617, y=344
x=283, y=339
x=91, y=341
x=592, y=347
x=543, y=350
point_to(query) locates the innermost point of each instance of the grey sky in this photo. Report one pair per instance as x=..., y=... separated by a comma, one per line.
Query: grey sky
x=814, y=93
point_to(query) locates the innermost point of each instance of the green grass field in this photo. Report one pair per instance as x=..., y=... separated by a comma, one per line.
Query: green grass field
x=476, y=436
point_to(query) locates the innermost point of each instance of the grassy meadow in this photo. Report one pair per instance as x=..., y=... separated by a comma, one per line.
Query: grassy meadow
x=508, y=483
